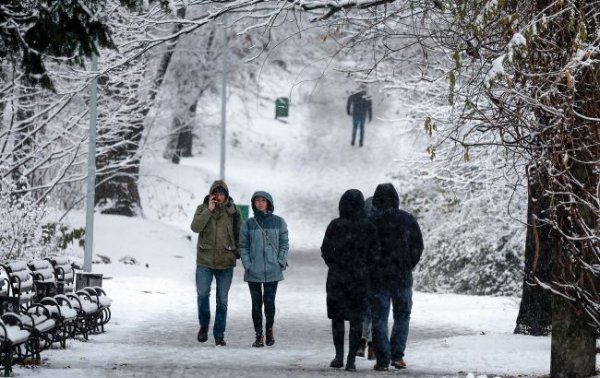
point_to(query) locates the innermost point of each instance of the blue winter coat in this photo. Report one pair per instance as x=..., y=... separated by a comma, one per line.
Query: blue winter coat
x=264, y=251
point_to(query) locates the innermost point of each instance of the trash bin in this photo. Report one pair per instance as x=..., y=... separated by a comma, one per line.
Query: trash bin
x=85, y=279
x=282, y=105
x=245, y=211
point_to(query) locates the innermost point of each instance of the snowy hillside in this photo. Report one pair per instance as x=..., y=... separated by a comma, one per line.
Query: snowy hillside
x=305, y=160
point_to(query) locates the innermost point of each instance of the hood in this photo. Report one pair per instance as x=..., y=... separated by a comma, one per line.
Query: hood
x=270, y=206
x=352, y=204
x=386, y=197
x=218, y=184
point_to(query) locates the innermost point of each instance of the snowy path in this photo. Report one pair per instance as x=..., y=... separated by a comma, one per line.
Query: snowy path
x=153, y=332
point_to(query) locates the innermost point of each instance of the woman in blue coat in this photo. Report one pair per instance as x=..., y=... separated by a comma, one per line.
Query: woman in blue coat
x=264, y=248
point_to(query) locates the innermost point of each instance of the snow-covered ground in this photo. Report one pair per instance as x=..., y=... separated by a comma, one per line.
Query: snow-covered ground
x=306, y=163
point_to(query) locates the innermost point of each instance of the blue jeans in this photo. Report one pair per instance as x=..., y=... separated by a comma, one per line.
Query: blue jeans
x=204, y=278
x=358, y=124
x=392, y=348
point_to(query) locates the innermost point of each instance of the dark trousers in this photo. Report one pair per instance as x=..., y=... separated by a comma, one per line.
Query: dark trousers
x=338, y=331
x=263, y=293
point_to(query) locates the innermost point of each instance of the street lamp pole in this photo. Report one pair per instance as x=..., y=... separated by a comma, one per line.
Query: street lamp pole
x=91, y=175
x=223, y=95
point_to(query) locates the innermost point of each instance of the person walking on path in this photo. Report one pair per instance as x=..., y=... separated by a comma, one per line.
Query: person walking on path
x=391, y=275
x=217, y=221
x=358, y=106
x=264, y=246
x=346, y=246
x=365, y=347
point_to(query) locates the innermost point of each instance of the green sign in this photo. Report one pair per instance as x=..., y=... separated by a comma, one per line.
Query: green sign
x=282, y=105
x=245, y=211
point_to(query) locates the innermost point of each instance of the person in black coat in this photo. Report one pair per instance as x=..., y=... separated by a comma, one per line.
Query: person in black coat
x=346, y=246
x=391, y=275
x=359, y=105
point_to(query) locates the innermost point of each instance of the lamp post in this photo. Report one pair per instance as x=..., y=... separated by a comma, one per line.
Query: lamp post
x=223, y=95
x=91, y=175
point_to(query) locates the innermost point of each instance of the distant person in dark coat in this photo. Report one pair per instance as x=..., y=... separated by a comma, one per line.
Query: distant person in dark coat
x=346, y=246
x=391, y=275
x=359, y=106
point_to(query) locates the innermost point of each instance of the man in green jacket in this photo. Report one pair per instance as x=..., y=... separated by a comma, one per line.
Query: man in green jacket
x=217, y=221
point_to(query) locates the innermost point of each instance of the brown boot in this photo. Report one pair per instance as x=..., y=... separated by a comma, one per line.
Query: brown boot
x=362, y=345
x=259, y=342
x=371, y=351
x=270, y=340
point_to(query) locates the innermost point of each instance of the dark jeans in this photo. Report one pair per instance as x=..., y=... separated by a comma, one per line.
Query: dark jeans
x=258, y=299
x=358, y=124
x=204, y=278
x=392, y=348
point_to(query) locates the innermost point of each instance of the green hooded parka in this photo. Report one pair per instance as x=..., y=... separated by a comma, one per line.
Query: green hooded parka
x=218, y=233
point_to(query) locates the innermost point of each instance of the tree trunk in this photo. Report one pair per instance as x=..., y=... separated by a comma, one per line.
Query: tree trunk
x=184, y=141
x=573, y=348
x=181, y=138
x=116, y=186
x=535, y=312
x=183, y=130
x=573, y=353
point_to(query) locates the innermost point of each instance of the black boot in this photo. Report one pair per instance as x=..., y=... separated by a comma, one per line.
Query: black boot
x=219, y=341
x=350, y=366
x=354, y=343
x=270, y=338
x=337, y=328
x=259, y=342
x=203, y=334
x=337, y=363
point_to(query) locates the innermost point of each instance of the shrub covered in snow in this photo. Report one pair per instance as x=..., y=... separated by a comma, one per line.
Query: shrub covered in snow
x=474, y=241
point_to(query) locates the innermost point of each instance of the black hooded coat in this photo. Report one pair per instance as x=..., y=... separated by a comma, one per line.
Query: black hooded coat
x=401, y=241
x=347, y=245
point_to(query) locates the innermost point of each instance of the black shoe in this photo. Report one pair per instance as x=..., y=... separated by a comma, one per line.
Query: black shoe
x=337, y=363
x=352, y=143
x=259, y=342
x=203, y=334
x=219, y=341
x=270, y=338
x=362, y=345
x=381, y=367
x=350, y=366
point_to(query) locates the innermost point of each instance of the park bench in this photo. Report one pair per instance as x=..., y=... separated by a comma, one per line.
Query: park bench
x=62, y=308
x=65, y=275
x=20, y=304
x=82, y=307
x=13, y=335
